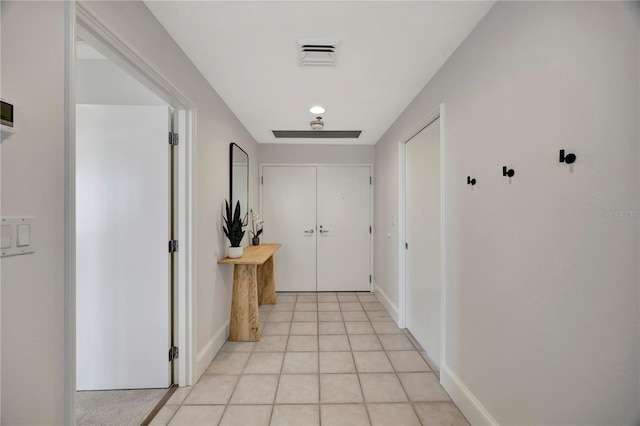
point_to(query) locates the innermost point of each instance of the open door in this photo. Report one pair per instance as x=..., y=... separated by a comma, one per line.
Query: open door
x=122, y=233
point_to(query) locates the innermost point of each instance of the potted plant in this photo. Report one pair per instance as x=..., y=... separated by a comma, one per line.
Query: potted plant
x=256, y=228
x=232, y=227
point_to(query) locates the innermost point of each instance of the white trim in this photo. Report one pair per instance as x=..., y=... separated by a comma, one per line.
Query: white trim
x=186, y=322
x=211, y=348
x=443, y=240
x=315, y=165
x=69, y=388
x=402, y=236
x=473, y=410
x=106, y=42
x=391, y=308
x=371, y=206
x=402, y=226
x=372, y=234
x=100, y=36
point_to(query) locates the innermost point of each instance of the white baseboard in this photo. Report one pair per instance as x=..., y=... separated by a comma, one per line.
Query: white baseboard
x=210, y=350
x=472, y=409
x=392, y=309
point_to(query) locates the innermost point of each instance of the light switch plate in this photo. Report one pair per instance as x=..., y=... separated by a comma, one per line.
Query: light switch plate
x=24, y=235
x=6, y=237
x=20, y=232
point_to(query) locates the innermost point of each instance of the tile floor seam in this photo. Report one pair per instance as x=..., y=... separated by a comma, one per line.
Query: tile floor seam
x=403, y=387
x=357, y=374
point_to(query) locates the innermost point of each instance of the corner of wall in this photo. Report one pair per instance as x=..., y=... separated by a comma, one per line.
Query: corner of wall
x=474, y=411
x=210, y=350
x=386, y=302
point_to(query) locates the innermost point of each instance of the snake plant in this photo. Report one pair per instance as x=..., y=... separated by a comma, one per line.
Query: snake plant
x=233, y=225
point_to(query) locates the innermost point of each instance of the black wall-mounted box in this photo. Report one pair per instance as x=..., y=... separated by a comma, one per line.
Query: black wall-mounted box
x=6, y=114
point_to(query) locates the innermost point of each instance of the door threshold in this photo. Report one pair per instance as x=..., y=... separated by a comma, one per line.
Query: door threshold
x=159, y=405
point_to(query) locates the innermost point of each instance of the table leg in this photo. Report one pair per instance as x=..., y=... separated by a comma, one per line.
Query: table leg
x=244, y=324
x=266, y=283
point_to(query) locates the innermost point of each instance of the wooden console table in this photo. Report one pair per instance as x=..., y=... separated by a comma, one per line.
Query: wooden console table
x=253, y=285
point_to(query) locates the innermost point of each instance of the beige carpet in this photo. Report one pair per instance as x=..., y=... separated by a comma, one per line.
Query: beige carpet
x=117, y=407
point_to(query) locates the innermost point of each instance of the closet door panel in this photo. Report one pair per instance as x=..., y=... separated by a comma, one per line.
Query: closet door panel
x=289, y=213
x=344, y=242
x=423, y=228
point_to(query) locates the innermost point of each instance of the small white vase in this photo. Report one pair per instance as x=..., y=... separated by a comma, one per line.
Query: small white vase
x=234, y=252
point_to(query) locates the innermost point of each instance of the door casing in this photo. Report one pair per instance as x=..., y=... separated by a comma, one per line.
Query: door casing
x=80, y=20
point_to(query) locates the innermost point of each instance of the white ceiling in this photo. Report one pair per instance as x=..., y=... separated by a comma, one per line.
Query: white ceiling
x=388, y=51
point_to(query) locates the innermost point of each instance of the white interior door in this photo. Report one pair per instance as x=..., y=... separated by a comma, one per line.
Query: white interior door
x=423, y=287
x=289, y=213
x=344, y=218
x=122, y=260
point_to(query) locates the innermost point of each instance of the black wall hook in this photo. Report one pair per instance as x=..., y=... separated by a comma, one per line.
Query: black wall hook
x=569, y=158
x=508, y=172
x=471, y=181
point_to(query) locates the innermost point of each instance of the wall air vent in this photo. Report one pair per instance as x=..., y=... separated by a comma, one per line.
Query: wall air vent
x=317, y=53
x=317, y=134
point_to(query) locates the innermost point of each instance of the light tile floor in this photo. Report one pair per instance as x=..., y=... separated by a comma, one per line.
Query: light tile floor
x=323, y=359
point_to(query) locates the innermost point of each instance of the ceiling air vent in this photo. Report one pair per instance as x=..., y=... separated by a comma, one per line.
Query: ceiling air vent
x=317, y=134
x=317, y=53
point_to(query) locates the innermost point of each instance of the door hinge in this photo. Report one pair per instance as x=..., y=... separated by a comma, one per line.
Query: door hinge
x=370, y=278
x=406, y=246
x=262, y=180
x=174, y=353
x=370, y=230
x=173, y=139
x=370, y=180
x=173, y=246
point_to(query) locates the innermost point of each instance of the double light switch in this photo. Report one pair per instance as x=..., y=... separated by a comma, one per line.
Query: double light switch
x=16, y=236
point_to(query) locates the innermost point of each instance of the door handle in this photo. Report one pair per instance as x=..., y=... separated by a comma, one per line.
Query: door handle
x=310, y=231
x=323, y=231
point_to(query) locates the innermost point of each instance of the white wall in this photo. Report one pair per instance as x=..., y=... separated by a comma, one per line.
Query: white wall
x=542, y=297
x=295, y=153
x=33, y=184
x=101, y=82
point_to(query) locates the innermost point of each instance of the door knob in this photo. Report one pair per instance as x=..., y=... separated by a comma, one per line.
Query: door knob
x=310, y=231
x=323, y=231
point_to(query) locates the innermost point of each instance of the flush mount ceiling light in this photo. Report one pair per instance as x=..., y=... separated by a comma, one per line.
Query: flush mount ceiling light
x=316, y=109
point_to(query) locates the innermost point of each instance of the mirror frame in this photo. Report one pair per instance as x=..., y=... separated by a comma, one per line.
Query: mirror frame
x=231, y=146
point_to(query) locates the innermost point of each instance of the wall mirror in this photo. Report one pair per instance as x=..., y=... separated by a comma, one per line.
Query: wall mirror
x=238, y=177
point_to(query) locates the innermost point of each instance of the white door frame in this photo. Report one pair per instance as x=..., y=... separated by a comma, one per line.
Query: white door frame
x=370, y=165
x=402, y=282
x=78, y=19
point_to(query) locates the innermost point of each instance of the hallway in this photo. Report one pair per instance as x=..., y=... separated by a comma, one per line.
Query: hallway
x=324, y=358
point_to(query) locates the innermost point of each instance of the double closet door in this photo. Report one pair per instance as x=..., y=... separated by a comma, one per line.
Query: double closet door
x=322, y=217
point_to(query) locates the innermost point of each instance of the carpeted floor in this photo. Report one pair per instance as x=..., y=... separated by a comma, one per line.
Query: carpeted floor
x=117, y=407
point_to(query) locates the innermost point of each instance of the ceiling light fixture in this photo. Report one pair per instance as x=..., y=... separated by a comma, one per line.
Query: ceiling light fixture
x=317, y=124
x=316, y=109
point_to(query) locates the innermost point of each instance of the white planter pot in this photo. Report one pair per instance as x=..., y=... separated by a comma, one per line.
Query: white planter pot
x=234, y=252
